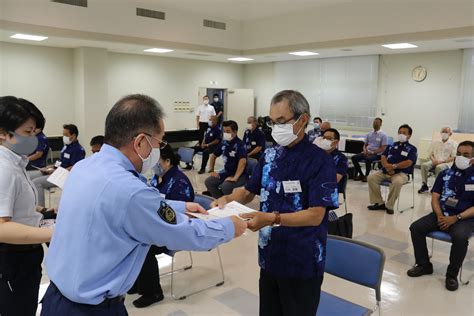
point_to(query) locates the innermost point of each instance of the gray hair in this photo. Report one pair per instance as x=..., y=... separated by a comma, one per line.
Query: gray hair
x=448, y=127
x=130, y=116
x=297, y=102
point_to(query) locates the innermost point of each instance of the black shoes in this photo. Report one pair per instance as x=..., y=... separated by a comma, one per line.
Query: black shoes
x=188, y=167
x=424, y=188
x=418, y=271
x=201, y=171
x=147, y=300
x=377, y=207
x=451, y=283
x=133, y=290
x=389, y=211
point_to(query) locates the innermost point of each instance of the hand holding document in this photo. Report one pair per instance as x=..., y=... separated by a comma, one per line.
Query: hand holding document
x=231, y=209
x=58, y=177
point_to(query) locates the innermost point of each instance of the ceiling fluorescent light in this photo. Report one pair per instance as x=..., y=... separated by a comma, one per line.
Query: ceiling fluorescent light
x=29, y=37
x=240, y=59
x=304, y=53
x=399, y=46
x=158, y=50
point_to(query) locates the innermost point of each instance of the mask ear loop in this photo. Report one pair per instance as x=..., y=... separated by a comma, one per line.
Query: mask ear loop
x=149, y=143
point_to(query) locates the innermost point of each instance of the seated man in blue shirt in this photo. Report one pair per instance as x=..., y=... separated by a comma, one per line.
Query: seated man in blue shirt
x=452, y=200
x=296, y=182
x=398, y=161
x=316, y=131
x=211, y=141
x=375, y=144
x=235, y=159
x=329, y=143
x=71, y=153
x=254, y=139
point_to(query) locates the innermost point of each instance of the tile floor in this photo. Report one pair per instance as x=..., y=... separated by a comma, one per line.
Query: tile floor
x=401, y=295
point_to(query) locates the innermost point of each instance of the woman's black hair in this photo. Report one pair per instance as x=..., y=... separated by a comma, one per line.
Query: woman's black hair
x=167, y=153
x=14, y=112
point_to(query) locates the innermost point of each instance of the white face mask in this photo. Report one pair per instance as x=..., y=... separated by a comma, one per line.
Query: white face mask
x=316, y=125
x=66, y=140
x=152, y=158
x=227, y=136
x=402, y=138
x=249, y=126
x=462, y=162
x=283, y=134
x=445, y=136
x=324, y=144
x=216, y=99
x=206, y=102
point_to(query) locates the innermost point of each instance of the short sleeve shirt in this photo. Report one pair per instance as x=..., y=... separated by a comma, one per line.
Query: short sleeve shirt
x=457, y=184
x=289, y=180
x=43, y=147
x=205, y=112
x=175, y=185
x=253, y=139
x=71, y=154
x=18, y=196
x=232, y=152
x=375, y=140
x=398, y=152
x=212, y=134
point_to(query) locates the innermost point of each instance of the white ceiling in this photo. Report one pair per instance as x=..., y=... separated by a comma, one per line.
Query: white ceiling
x=242, y=10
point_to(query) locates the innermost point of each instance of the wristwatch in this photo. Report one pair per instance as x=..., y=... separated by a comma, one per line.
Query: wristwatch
x=394, y=166
x=277, y=221
x=459, y=217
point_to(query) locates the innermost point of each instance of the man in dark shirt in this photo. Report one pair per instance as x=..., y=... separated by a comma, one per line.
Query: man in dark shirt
x=219, y=108
x=254, y=139
x=398, y=161
x=452, y=200
x=211, y=141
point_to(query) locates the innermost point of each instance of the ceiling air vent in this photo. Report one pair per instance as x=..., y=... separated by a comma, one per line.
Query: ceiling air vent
x=77, y=3
x=151, y=14
x=214, y=24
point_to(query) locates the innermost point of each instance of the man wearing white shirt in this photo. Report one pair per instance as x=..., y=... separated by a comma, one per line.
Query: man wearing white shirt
x=441, y=153
x=203, y=117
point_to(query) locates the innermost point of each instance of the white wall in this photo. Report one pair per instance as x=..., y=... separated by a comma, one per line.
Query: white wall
x=42, y=75
x=168, y=80
x=426, y=106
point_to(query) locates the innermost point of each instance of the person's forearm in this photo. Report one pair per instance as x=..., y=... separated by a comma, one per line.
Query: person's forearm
x=15, y=233
x=404, y=164
x=384, y=162
x=435, y=204
x=214, y=142
x=338, y=177
x=219, y=114
x=468, y=213
x=197, y=121
x=36, y=155
x=255, y=151
x=240, y=169
x=450, y=159
x=309, y=217
x=240, y=195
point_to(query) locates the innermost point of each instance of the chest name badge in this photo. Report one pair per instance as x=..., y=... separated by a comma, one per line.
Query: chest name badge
x=469, y=187
x=254, y=143
x=404, y=153
x=166, y=213
x=67, y=156
x=292, y=186
x=57, y=164
x=232, y=153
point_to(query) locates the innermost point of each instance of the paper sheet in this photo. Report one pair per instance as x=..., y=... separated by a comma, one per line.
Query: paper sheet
x=232, y=208
x=58, y=177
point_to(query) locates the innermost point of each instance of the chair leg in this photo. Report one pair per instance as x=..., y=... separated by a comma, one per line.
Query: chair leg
x=413, y=181
x=345, y=202
x=460, y=278
x=432, y=248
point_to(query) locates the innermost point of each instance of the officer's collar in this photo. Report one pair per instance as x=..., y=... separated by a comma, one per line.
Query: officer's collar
x=116, y=155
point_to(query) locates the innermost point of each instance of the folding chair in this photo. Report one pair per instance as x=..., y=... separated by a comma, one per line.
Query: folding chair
x=444, y=236
x=357, y=262
x=411, y=179
x=186, y=155
x=205, y=202
x=251, y=163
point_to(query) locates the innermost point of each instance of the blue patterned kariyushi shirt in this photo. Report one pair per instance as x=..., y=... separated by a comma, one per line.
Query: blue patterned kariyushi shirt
x=296, y=252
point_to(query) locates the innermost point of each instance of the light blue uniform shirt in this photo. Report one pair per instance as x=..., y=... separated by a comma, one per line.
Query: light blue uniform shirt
x=375, y=140
x=107, y=220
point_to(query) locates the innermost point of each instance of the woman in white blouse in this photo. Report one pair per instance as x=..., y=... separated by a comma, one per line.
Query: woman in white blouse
x=21, y=252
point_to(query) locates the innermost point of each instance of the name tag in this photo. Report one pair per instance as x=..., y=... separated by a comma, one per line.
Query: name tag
x=404, y=153
x=292, y=186
x=163, y=196
x=232, y=153
x=210, y=134
x=377, y=139
x=67, y=156
x=254, y=143
x=469, y=187
x=57, y=164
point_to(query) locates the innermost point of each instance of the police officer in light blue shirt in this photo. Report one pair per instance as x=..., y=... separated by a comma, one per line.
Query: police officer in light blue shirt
x=296, y=182
x=109, y=216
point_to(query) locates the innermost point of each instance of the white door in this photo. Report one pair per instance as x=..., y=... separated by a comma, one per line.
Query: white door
x=240, y=105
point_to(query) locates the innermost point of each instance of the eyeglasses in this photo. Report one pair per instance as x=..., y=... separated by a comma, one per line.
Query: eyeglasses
x=162, y=143
x=271, y=124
